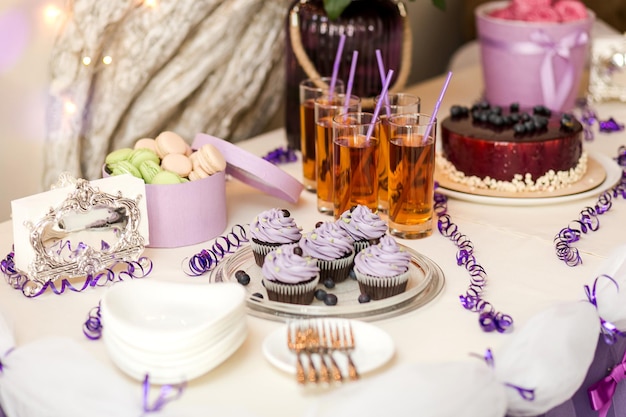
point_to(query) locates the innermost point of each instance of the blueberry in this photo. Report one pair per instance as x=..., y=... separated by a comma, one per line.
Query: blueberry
x=318, y=224
x=496, y=119
x=514, y=107
x=286, y=213
x=496, y=110
x=541, y=122
x=320, y=294
x=458, y=111
x=352, y=274
x=567, y=121
x=257, y=295
x=242, y=277
x=352, y=209
x=297, y=250
x=529, y=126
x=519, y=128
x=329, y=283
x=514, y=118
x=524, y=117
x=484, y=116
x=330, y=300
x=542, y=110
x=484, y=104
x=364, y=298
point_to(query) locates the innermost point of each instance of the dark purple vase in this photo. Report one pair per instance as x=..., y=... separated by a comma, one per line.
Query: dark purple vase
x=368, y=25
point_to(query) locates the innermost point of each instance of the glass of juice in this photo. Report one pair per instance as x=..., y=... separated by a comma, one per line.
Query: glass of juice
x=310, y=89
x=356, y=138
x=327, y=107
x=394, y=103
x=411, y=174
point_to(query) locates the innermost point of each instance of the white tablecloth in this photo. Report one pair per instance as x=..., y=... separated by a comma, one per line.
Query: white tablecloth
x=515, y=245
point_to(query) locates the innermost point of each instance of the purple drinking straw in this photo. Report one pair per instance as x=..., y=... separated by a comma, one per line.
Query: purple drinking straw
x=370, y=130
x=346, y=102
x=333, y=78
x=381, y=70
x=436, y=109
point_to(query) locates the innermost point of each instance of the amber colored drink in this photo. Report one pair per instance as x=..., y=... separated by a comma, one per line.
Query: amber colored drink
x=411, y=186
x=323, y=167
x=355, y=162
x=307, y=145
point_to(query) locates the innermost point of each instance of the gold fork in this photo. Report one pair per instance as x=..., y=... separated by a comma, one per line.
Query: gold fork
x=302, y=339
x=347, y=345
x=326, y=345
x=295, y=346
x=314, y=346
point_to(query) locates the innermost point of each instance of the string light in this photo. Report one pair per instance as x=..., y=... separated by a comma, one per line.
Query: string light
x=106, y=60
x=86, y=60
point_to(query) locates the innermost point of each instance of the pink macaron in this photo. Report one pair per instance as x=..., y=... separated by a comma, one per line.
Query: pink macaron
x=170, y=143
x=177, y=163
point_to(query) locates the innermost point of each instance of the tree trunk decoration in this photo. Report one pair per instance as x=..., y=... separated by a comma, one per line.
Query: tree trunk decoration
x=126, y=69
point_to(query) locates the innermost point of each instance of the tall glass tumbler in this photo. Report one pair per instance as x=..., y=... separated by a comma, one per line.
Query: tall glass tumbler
x=356, y=137
x=395, y=104
x=411, y=175
x=327, y=107
x=310, y=89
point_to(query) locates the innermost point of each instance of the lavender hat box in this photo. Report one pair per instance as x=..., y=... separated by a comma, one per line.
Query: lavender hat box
x=187, y=213
x=532, y=63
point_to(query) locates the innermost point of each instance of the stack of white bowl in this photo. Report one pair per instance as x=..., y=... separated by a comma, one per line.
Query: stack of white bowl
x=172, y=332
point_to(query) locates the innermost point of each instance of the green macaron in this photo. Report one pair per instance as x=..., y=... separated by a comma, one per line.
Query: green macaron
x=166, y=177
x=138, y=156
x=148, y=170
x=118, y=155
x=124, y=167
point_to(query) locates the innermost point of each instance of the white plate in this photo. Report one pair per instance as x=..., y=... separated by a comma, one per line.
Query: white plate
x=613, y=174
x=374, y=347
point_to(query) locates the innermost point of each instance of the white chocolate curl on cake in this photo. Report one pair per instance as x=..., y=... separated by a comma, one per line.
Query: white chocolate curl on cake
x=126, y=69
x=551, y=181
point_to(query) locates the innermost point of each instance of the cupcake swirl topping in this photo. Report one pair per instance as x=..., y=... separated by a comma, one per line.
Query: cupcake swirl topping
x=328, y=241
x=287, y=265
x=275, y=226
x=385, y=259
x=362, y=224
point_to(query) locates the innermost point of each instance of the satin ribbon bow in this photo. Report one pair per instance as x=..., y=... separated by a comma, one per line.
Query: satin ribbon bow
x=541, y=43
x=555, y=95
x=601, y=393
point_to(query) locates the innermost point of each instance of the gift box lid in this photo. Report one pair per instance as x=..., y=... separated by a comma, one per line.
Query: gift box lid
x=253, y=170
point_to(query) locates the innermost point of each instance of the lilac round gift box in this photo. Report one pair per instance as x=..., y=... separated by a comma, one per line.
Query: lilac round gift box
x=187, y=213
x=532, y=63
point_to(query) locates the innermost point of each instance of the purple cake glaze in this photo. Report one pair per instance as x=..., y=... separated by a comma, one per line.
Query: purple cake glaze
x=328, y=241
x=362, y=224
x=285, y=266
x=275, y=226
x=385, y=259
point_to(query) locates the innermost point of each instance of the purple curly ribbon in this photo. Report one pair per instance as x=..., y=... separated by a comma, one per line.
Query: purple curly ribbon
x=137, y=269
x=92, y=328
x=281, y=156
x=588, y=118
x=525, y=393
x=167, y=393
x=489, y=318
x=207, y=259
x=588, y=220
x=609, y=331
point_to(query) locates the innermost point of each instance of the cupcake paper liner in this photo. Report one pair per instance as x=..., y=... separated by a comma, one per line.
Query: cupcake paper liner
x=382, y=287
x=302, y=293
x=336, y=269
x=359, y=245
x=260, y=249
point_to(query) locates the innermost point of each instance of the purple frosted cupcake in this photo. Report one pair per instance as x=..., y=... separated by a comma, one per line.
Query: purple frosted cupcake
x=290, y=277
x=333, y=249
x=382, y=270
x=271, y=229
x=363, y=225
